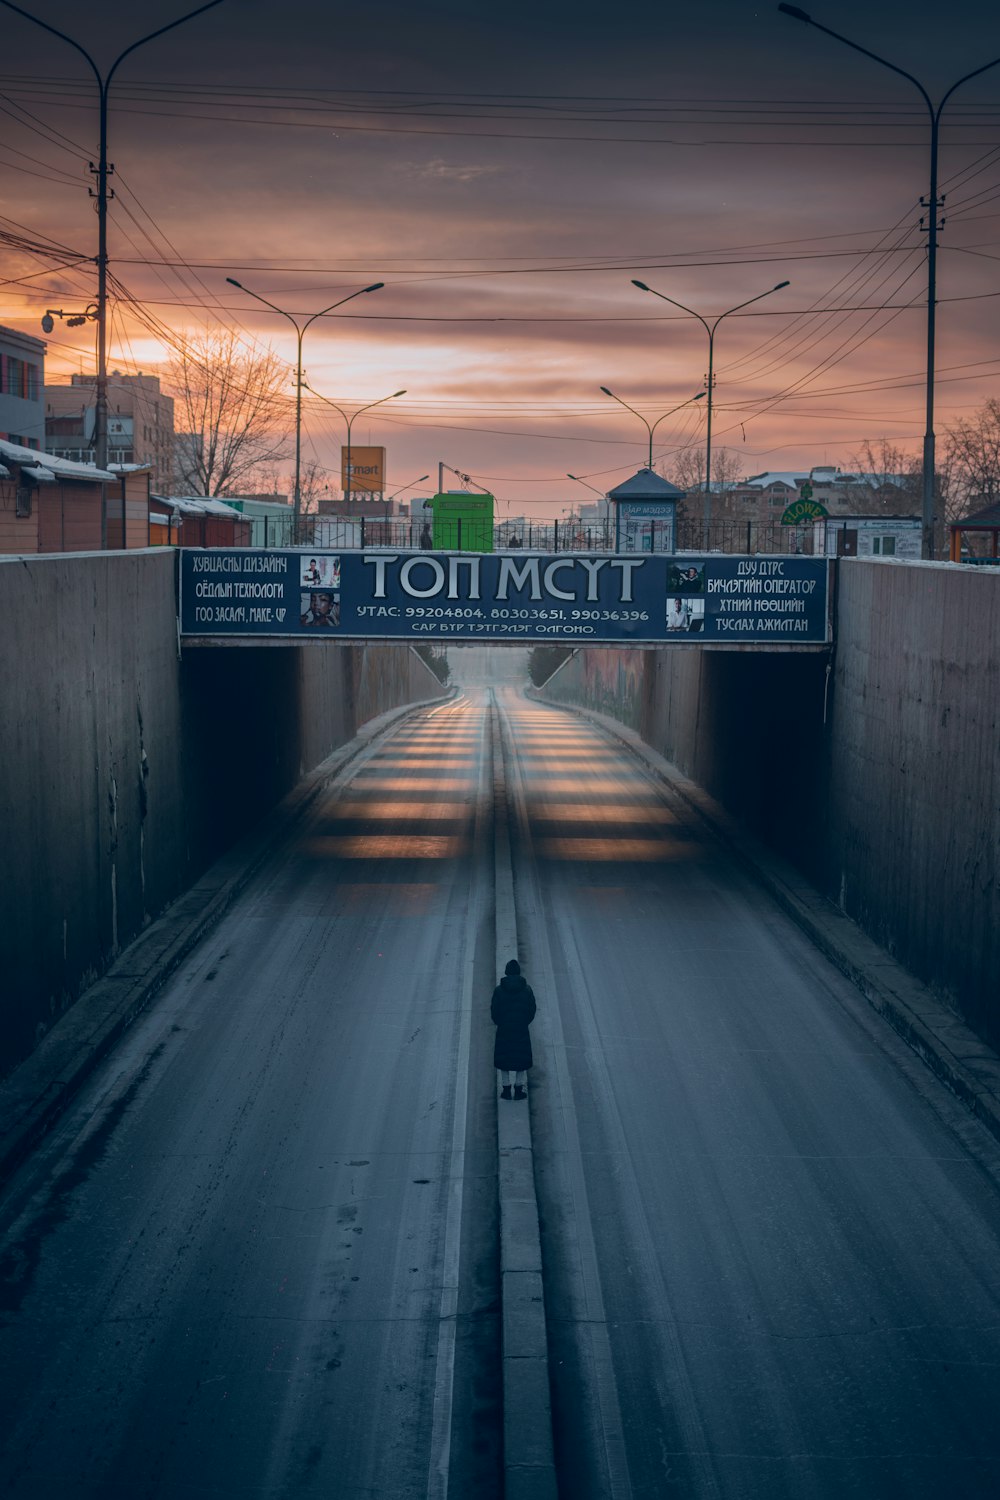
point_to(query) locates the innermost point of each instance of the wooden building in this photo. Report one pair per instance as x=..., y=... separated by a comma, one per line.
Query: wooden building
x=191, y=522
x=50, y=504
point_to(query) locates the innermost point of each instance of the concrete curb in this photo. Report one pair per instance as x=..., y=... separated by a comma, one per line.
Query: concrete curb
x=529, y=1458
x=953, y=1052
x=34, y=1095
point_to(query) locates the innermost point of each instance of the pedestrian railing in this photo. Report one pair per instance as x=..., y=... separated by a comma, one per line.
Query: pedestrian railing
x=344, y=533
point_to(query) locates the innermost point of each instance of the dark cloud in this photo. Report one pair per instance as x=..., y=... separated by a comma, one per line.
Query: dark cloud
x=460, y=153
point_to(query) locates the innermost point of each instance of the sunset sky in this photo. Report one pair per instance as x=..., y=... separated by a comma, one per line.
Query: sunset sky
x=506, y=171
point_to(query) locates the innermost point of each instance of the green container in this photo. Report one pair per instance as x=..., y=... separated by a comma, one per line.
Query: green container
x=462, y=523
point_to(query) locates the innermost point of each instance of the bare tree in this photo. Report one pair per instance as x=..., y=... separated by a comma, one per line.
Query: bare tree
x=891, y=478
x=230, y=412
x=314, y=482
x=686, y=469
x=972, y=462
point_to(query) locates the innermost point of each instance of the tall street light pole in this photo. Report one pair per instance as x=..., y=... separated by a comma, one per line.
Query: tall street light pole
x=932, y=203
x=586, y=485
x=409, y=486
x=350, y=423
x=300, y=331
x=103, y=171
x=642, y=419
x=710, y=380
x=606, y=503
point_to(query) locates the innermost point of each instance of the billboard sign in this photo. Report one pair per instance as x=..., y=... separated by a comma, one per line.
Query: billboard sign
x=569, y=598
x=645, y=525
x=801, y=512
x=367, y=470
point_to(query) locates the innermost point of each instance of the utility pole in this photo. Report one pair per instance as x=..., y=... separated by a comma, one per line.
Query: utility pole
x=102, y=172
x=932, y=203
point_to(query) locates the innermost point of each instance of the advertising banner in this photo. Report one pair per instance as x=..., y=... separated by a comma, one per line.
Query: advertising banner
x=367, y=470
x=645, y=525
x=569, y=598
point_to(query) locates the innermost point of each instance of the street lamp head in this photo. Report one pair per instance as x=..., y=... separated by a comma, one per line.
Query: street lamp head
x=47, y=323
x=780, y=285
x=397, y=393
x=233, y=282
x=376, y=286
x=793, y=10
x=607, y=392
x=640, y=284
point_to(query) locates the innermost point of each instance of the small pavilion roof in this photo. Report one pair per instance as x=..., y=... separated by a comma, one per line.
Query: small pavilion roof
x=646, y=485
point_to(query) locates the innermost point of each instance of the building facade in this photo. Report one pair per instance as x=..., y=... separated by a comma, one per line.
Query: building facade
x=22, y=387
x=140, y=423
x=50, y=505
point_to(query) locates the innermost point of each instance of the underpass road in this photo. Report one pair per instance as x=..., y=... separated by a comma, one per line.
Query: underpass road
x=770, y=1237
x=258, y=1256
x=256, y=1259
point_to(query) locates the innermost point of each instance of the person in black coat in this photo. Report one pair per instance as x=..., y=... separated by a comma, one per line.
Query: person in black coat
x=512, y=1009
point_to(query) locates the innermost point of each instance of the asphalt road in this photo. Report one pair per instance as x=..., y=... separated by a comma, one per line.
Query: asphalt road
x=770, y=1236
x=258, y=1257
x=235, y=1269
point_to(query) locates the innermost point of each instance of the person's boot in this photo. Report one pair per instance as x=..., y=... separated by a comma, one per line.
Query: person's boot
x=505, y=1091
x=520, y=1092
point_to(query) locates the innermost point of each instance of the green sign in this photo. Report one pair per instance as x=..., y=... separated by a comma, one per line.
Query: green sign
x=801, y=511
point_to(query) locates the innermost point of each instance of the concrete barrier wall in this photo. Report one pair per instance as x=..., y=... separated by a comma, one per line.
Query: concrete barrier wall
x=124, y=771
x=913, y=851
x=875, y=771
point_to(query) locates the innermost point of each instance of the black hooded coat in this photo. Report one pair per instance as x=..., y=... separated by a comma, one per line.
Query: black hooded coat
x=512, y=1009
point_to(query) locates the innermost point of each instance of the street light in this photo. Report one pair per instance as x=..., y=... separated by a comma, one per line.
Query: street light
x=300, y=330
x=605, y=502
x=642, y=419
x=102, y=172
x=710, y=382
x=73, y=320
x=932, y=203
x=351, y=419
x=586, y=485
x=407, y=486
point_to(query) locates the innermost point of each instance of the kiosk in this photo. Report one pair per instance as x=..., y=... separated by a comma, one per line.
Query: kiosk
x=646, y=513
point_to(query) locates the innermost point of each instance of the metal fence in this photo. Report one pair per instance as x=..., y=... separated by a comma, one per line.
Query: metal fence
x=347, y=534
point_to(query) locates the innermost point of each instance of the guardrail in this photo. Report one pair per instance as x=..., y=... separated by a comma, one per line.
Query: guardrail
x=542, y=535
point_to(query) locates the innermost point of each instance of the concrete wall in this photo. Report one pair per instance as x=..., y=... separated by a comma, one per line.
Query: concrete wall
x=879, y=781
x=124, y=772
x=913, y=850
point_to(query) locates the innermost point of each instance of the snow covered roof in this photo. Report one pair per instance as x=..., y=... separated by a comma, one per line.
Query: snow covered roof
x=646, y=485
x=988, y=516
x=786, y=476
x=199, y=505
x=57, y=468
x=824, y=476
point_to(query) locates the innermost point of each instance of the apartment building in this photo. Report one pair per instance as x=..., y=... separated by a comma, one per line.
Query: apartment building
x=140, y=423
x=22, y=384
